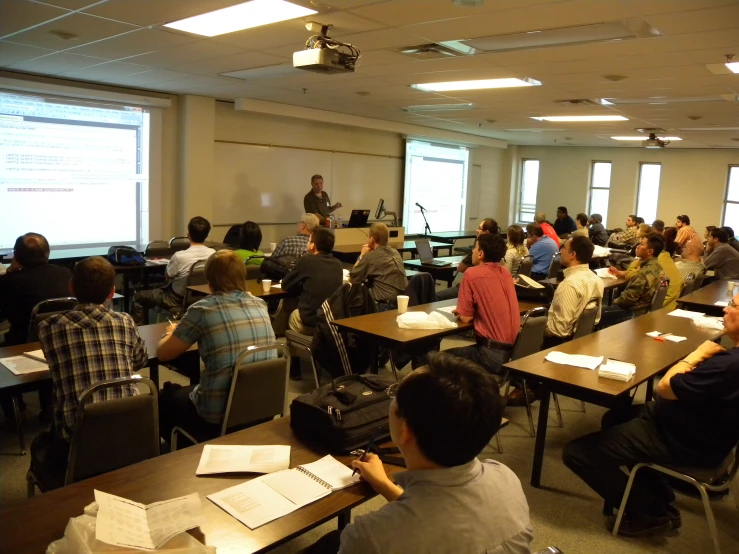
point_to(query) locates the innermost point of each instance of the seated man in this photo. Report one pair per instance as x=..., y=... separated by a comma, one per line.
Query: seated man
x=486, y=226
x=487, y=298
x=691, y=264
x=224, y=325
x=315, y=277
x=684, y=231
x=658, y=226
x=628, y=237
x=178, y=269
x=564, y=224
x=732, y=239
x=720, y=256
x=441, y=418
x=382, y=266
x=542, y=248
x=547, y=229
x=296, y=245
x=581, y=222
x=685, y=426
x=85, y=346
x=579, y=289
x=636, y=299
x=597, y=231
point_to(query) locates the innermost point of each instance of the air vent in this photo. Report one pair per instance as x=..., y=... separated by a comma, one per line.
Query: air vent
x=648, y=130
x=431, y=51
x=578, y=102
x=439, y=108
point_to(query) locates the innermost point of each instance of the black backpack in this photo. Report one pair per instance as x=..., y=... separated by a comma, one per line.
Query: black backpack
x=345, y=414
x=277, y=268
x=125, y=255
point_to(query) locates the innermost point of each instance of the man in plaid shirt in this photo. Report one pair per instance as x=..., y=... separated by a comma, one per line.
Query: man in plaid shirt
x=296, y=245
x=85, y=346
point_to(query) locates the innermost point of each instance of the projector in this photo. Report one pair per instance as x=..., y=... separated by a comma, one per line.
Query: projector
x=324, y=60
x=654, y=142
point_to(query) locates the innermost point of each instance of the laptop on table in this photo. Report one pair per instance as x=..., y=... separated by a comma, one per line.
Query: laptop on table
x=427, y=255
x=358, y=218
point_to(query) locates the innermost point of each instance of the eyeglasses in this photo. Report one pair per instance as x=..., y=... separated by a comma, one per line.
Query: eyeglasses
x=731, y=304
x=392, y=390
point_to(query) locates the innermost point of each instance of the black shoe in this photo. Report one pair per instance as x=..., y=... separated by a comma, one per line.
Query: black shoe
x=674, y=514
x=640, y=525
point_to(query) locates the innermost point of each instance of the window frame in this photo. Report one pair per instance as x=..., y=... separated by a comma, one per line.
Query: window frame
x=639, y=183
x=519, y=198
x=726, y=193
x=591, y=187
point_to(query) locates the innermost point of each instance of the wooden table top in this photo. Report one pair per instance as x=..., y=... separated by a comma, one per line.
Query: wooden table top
x=31, y=525
x=453, y=261
x=448, y=235
x=607, y=283
x=406, y=246
x=626, y=342
x=252, y=286
x=718, y=291
x=382, y=325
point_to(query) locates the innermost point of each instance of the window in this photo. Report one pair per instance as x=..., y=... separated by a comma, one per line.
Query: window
x=646, y=201
x=731, y=206
x=600, y=189
x=527, y=191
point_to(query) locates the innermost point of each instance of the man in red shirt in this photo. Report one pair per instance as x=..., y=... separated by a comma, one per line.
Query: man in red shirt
x=549, y=231
x=487, y=298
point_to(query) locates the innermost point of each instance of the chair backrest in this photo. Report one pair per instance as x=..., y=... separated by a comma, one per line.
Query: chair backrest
x=526, y=264
x=158, y=249
x=699, y=280
x=111, y=434
x=531, y=333
x=554, y=267
x=586, y=321
x=46, y=309
x=179, y=243
x=421, y=289
x=689, y=285
x=253, y=271
x=233, y=236
x=658, y=300
x=196, y=277
x=258, y=389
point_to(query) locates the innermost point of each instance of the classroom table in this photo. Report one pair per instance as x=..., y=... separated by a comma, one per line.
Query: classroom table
x=31, y=525
x=349, y=252
x=449, y=237
x=445, y=273
x=704, y=299
x=627, y=342
x=252, y=286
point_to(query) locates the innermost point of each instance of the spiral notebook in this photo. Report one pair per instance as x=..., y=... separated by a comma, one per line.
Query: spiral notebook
x=272, y=496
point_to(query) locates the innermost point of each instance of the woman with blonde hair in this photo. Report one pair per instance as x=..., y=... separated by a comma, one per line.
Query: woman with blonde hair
x=224, y=324
x=515, y=250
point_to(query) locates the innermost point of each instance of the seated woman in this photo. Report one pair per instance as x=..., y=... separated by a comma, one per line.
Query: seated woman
x=224, y=325
x=251, y=238
x=515, y=249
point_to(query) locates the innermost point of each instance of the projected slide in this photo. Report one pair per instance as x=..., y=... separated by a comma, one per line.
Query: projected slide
x=73, y=173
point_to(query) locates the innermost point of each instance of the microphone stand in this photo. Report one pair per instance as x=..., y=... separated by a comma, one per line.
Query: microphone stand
x=426, y=228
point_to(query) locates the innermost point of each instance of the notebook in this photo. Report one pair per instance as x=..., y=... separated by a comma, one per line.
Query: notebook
x=272, y=496
x=243, y=459
x=36, y=355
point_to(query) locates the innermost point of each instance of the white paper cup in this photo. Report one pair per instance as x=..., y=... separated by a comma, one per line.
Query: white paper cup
x=272, y=246
x=266, y=284
x=730, y=286
x=402, y=304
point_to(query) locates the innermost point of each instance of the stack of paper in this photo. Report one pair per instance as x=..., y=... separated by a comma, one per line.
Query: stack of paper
x=422, y=320
x=602, y=272
x=614, y=369
x=704, y=322
x=242, y=459
x=722, y=304
x=21, y=365
x=577, y=360
x=685, y=313
x=601, y=252
x=666, y=336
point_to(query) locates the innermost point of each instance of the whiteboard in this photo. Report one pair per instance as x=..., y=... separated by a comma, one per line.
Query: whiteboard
x=266, y=184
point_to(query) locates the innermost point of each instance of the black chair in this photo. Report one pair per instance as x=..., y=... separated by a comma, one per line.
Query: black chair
x=179, y=243
x=107, y=435
x=658, y=300
x=196, y=277
x=526, y=264
x=158, y=249
x=689, y=285
x=233, y=236
x=554, y=267
x=45, y=309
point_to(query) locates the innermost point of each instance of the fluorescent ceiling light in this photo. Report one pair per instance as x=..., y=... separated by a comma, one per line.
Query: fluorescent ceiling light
x=580, y=118
x=708, y=129
x=733, y=66
x=645, y=138
x=241, y=16
x=477, y=84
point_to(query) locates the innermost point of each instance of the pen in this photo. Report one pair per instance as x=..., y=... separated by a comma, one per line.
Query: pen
x=363, y=457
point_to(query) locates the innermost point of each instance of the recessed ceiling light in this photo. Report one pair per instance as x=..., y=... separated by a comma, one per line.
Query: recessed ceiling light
x=580, y=118
x=477, y=84
x=241, y=16
x=644, y=138
x=733, y=67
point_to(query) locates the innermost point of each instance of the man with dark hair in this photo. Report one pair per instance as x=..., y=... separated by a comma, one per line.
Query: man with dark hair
x=441, y=418
x=317, y=200
x=542, y=249
x=381, y=265
x=486, y=226
x=487, y=298
x=84, y=346
x=564, y=224
x=684, y=231
x=732, y=240
x=580, y=289
x=636, y=299
x=721, y=257
x=597, y=231
x=178, y=269
x=629, y=237
x=315, y=277
x=690, y=423
x=658, y=225
x=581, y=221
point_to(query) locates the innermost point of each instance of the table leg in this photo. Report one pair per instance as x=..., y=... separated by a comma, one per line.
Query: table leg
x=650, y=389
x=126, y=287
x=344, y=518
x=541, y=436
x=154, y=373
x=19, y=424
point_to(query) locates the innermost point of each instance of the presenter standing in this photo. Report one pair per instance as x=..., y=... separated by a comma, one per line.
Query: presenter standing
x=317, y=201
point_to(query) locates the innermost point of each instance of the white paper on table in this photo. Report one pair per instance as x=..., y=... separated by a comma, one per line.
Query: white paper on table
x=602, y=272
x=705, y=322
x=277, y=286
x=158, y=261
x=122, y=522
x=720, y=303
x=601, y=252
x=447, y=309
x=685, y=313
x=422, y=320
x=615, y=369
x=577, y=360
x=237, y=458
x=333, y=472
x=666, y=336
x=36, y=355
x=21, y=365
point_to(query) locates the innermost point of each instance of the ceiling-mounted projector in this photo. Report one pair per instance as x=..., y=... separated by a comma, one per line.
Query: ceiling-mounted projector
x=323, y=54
x=654, y=142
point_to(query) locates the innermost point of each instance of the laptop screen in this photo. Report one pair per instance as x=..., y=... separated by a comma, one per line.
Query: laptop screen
x=424, y=250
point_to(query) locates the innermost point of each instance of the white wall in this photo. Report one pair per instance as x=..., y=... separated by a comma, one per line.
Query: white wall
x=693, y=182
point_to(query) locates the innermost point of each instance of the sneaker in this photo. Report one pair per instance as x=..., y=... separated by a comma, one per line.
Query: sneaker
x=516, y=397
x=640, y=525
x=674, y=514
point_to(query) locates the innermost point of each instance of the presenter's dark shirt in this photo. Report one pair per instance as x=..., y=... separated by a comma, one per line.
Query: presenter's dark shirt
x=315, y=205
x=21, y=290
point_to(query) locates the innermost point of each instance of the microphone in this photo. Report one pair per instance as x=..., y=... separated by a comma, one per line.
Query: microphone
x=419, y=205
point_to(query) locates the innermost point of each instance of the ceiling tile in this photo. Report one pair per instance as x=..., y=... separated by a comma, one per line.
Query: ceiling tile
x=107, y=70
x=382, y=38
x=707, y=39
x=53, y=64
x=650, y=7
x=268, y=36
x=185, y=53
x=234, y=62
x=11, y=52
x=156, y=12
x=87, y=27
x=70, y=4
x=146, y=78
x=16, y=15
x=132, y=44
x=724, y=17
x=344, y=23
